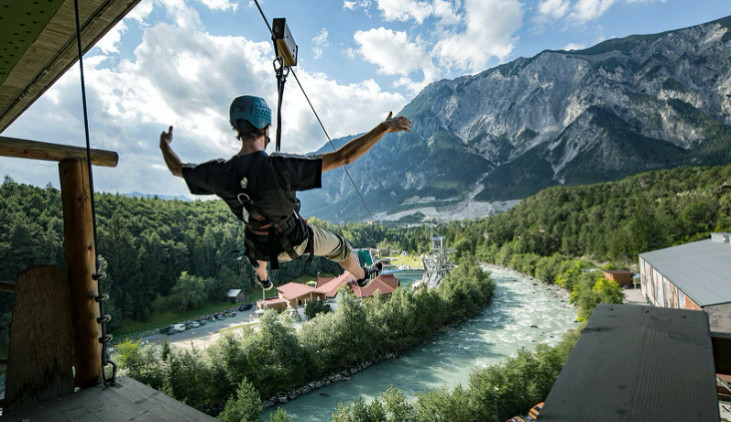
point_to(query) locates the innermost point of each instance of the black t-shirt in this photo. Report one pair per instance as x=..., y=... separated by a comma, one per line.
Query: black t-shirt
x=272, y=182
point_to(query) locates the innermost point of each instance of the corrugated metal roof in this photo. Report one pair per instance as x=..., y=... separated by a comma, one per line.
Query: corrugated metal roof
x=702, y=270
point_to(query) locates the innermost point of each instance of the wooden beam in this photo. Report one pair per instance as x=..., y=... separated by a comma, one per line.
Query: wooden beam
x=722, y=352
x=80, y=254
x=7, y=287
x=4, y=362
x=22, y=148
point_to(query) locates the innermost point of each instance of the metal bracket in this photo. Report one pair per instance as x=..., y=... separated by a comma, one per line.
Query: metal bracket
x=284, y=42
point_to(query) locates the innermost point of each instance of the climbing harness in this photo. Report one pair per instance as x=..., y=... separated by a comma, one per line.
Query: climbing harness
x=98, y=275
x=271, y=232
x=283, y=48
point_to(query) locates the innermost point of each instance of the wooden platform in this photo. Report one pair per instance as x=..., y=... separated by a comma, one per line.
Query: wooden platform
x=638, y=363
x=128, y=400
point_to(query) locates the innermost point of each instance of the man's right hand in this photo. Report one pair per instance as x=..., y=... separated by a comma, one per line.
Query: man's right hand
x=166, y=138
x=397, y=124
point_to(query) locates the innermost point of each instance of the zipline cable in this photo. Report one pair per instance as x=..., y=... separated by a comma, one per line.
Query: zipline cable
x=98, y=275
x=318, y=119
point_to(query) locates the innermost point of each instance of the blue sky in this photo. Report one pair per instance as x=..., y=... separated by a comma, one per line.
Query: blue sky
x=177, y=62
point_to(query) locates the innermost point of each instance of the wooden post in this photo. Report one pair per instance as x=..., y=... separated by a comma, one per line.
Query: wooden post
x=80, y=265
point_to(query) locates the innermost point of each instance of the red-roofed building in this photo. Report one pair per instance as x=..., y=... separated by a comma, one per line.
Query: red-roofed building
x=276, y=303
x=293, y=295
x=386, y=283
x=297, y=294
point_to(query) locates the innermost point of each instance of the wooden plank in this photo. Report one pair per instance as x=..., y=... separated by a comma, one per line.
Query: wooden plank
x=40, y=338
x=80, y=255
x=6, y=286
x=55, y=51
x=638, y=363
x=22, y=148
x=722, y=352
x=127, y=400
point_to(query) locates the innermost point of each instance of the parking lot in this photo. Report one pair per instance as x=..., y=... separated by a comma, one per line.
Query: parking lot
x=204, y=335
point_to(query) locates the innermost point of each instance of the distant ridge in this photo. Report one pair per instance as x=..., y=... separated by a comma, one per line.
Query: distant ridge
x=153, y=195
x=481, y=143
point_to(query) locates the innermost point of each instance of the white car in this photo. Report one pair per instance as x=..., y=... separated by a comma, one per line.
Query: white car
x=195, y=324
x=179, y=327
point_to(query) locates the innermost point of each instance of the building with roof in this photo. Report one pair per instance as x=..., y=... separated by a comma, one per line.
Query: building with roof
x=294, y=295
x=695, y=275
x=236, y=296
x=622, y=277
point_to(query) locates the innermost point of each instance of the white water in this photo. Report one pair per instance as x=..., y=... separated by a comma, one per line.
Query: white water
x=488, y=339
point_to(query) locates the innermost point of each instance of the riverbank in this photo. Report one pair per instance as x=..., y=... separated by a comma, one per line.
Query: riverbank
x=523, y=314
x=563, y=293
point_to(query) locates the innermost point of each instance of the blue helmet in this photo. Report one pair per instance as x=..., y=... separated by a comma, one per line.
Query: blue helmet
x=252, y=109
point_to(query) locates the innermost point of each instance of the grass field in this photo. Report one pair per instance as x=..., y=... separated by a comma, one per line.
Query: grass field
x=409, y=261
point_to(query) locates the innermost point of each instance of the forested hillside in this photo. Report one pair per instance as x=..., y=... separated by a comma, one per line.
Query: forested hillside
x=149, y=243
x=159, y=254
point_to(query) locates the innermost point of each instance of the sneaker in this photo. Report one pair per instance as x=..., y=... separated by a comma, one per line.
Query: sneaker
x=371, y=272
x=266, y=284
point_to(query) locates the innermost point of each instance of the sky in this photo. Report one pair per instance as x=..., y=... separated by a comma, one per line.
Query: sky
x=181, y=62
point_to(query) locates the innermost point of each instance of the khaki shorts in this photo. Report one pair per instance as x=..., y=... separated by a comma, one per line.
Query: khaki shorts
x=326, y=244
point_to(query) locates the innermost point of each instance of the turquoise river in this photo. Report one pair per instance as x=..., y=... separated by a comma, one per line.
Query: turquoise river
x=523, y=314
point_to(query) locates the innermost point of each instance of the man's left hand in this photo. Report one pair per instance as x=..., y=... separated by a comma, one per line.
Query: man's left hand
x=397, y=124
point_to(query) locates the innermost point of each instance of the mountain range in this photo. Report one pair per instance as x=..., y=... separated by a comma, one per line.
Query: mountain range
x=482, y=142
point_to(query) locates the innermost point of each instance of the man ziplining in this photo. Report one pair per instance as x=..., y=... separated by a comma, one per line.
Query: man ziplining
x=261, y=190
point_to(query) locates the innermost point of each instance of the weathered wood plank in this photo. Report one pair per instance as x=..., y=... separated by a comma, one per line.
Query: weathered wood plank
x=722, y=352
x=6, y=286
x=55, y=51
x=127, y=400
x=638, y=363
x=40, y=338
x=80, y=255
x=22, y=148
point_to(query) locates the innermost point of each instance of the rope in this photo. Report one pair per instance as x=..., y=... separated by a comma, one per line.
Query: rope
x=318, y=118
x=98, y=275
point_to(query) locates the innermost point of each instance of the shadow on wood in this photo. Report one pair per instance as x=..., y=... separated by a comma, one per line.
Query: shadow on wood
x=39, y=357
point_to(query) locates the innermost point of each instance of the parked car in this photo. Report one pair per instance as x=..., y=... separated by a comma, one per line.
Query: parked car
x=179, y=327
x=229, y=314
x=192, y=324
x=245, y=307
x=220, y=317
x=201, y=322
x=168, y=330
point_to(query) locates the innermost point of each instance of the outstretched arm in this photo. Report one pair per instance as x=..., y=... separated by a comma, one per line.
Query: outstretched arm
x=362, y=144
x=171, y=158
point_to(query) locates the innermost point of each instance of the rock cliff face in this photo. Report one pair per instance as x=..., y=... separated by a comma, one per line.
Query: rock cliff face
x=482, y=142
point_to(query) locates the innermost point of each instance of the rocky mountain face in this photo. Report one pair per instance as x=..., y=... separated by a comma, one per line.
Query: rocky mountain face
x=482, y=142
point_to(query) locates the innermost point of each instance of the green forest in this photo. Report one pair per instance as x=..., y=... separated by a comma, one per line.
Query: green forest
x=172, y=255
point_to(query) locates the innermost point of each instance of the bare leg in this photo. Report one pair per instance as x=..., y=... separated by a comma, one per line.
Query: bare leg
x=262, y=270
x=352, y=265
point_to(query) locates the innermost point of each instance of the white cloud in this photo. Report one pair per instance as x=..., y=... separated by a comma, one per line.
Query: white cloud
x=405, y=10
x=553, y=9
x=221, y=5
x=394, y=54
x=108, y=44
x=320, y=42
x=586, y=10
x=572, y=46
x=183, y=76
x=490, y=25
x=357, y=4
